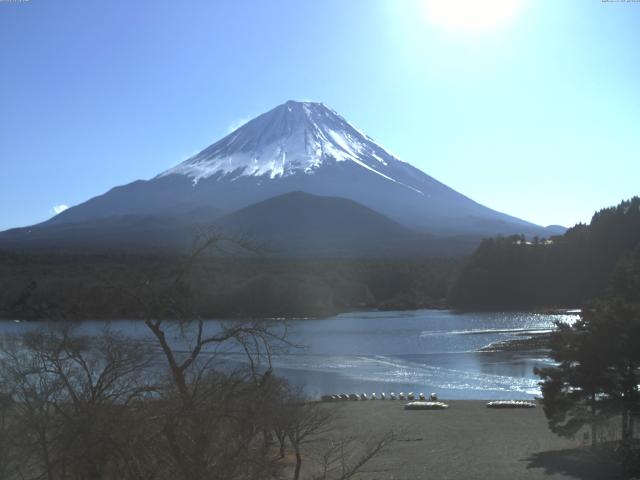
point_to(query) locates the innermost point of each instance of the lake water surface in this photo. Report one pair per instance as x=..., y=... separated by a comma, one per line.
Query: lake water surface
x=421, y=351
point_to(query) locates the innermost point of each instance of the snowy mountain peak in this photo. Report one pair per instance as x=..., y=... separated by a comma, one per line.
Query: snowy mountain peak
x=293, y=138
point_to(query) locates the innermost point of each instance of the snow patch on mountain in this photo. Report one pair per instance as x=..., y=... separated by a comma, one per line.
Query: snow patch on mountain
x=293, y=138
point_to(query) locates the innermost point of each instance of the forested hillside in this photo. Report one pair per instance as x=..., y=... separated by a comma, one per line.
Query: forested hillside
x=562, y=271
x=125, y=286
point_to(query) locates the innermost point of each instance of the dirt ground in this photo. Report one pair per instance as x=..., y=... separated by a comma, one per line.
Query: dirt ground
x=470, y=441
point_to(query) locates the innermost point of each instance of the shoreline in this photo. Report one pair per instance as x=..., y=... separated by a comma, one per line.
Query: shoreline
x=533, y=341
x=310, y=316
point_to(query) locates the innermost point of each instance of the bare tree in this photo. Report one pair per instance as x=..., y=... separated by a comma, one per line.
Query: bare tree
x=346, y=457
x=221, y=432
x=70, y=395
x=7, y=427
x=310, y=429
x=212, y=417
x=308, y=422
x=196, y=400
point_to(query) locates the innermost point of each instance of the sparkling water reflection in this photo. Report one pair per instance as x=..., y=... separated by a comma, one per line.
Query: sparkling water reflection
x=421, y=351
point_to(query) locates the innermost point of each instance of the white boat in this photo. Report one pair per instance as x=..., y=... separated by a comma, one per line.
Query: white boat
x=425, y=406
x=511, y=404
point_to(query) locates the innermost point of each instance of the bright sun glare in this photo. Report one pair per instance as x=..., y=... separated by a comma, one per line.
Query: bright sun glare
x=471, y=15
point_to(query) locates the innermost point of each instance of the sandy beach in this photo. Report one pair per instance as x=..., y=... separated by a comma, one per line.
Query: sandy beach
x=470, y=441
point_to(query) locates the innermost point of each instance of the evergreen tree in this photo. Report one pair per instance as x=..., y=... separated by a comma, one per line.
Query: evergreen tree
x=508, y=273
x=597, y=371
x=574, y=391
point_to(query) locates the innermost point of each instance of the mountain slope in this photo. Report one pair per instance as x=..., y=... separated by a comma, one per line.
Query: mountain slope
x=125, y=233
x=294, y=224
x=299, y=224
x=299, y=213
x=136, y=232
x=303, y=146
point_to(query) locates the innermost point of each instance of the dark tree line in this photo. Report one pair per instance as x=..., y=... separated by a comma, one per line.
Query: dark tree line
x=90, y=286
x=563, y=271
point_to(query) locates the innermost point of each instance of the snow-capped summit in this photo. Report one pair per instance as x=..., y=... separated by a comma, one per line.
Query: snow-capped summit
x=293, y=138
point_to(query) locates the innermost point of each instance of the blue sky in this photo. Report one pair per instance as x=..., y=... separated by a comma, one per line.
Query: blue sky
x=535, y=111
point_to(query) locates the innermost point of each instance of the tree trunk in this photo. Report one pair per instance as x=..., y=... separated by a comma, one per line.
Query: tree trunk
x=267, y=440
x=282, y=438
x=296, y=474
x=594, y=427
x=45, y=454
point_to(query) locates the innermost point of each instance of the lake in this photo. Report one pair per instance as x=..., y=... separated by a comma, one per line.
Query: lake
x=421, y=351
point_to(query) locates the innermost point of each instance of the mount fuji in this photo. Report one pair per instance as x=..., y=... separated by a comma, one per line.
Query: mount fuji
x=295, y=147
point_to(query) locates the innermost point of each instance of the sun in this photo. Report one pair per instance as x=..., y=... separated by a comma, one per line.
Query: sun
x=471, y=15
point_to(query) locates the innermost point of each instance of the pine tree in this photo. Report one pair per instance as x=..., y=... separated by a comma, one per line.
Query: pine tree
x=598, y=370
x=574, y=390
